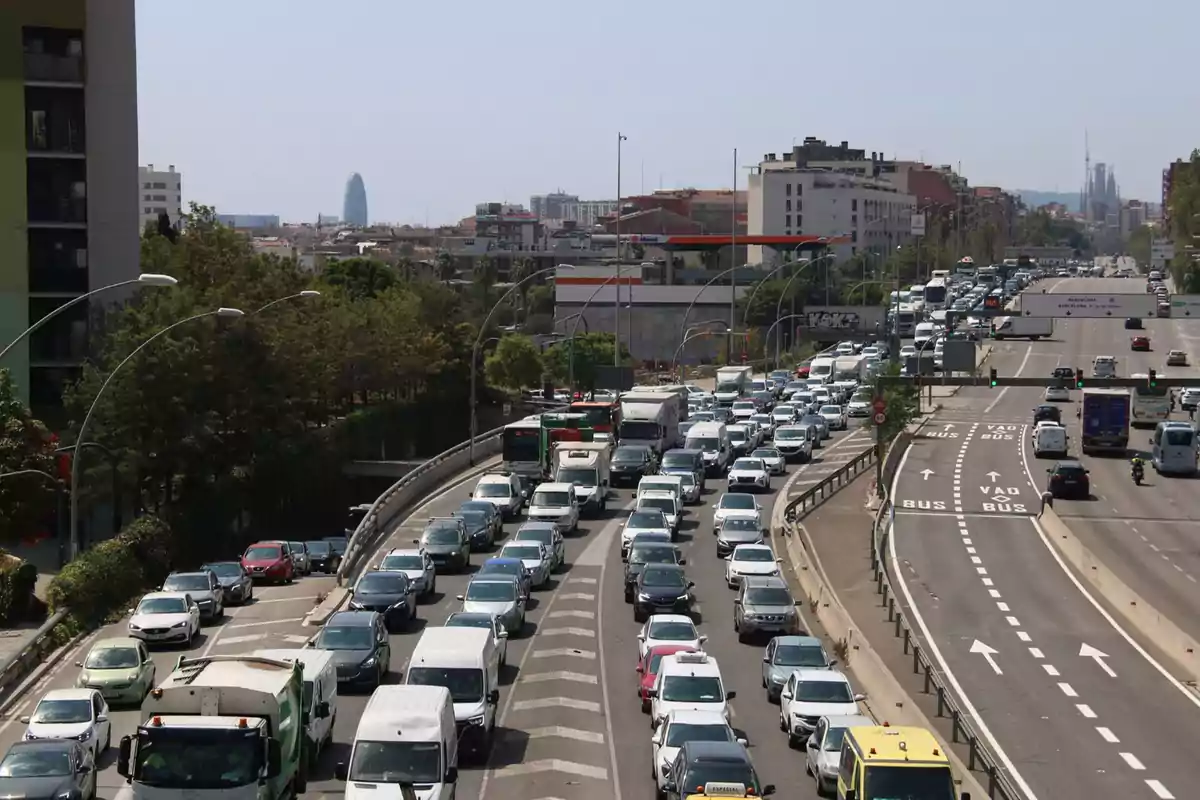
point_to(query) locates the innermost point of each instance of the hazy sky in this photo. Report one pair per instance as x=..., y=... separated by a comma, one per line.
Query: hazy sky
x=268, y=105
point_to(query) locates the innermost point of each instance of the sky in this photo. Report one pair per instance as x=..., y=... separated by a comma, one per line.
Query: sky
x=268, y=106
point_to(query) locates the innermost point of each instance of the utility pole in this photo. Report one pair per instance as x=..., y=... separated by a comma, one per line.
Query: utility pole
x=732, y=261
x=617, y=284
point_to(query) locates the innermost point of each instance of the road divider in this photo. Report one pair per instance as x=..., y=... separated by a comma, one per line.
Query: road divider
x=21, y=663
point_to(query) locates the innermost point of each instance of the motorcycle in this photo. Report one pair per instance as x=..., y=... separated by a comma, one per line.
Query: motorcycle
x=1138, y=474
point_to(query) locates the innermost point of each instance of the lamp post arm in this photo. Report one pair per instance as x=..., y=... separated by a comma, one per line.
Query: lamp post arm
x=72, y=302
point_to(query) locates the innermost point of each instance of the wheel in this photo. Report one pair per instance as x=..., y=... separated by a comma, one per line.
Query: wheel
x=107, y=740
x=782, y=722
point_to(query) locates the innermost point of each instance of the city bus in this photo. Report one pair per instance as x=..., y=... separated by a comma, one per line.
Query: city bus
x=904, y=320
x=1149, y=406
x=599, y=415
x=521, y=447
x=965, y=268
x=935, y=293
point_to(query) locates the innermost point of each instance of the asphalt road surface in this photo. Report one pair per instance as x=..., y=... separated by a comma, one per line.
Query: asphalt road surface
x=1073, y=704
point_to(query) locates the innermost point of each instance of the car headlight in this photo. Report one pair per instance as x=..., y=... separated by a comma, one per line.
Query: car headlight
x=133, y=627
x=476, y=720
x=684, y=596
x=643, y=597
x=83, y=737
x=370, y=662
x=357, y=606
x=179, y=625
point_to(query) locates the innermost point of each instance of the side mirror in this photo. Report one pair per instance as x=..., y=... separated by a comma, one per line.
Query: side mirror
x=24, y=720
x=833, y=662
x=691, y=584
x=102, y=718
x=493, y=696
x=451, y=775
x=730, y=695
x=769, y=790
x=79, y=663
x=322, y=710
x=84, y=769
x=652, y=693
x=641, y=637
x=123, y=756
x=639, y=669
x=858, y=698
x=785, y=695
x=683, y=561
x=340, y=771
x=274, y=759
x=458, y=597
x=743, y=741
x=416, y=541
x=503, y=634
x=703, y=639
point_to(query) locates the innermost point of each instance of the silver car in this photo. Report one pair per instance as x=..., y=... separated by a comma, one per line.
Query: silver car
x=417, y=565
x=691, y=488
x=204, y=588
x=823, y=750
x=548, y=534
x=772, y=459
x=499, y=596
x=735, y=531
x=534, y=557
x=765, y=605
x=820, y=423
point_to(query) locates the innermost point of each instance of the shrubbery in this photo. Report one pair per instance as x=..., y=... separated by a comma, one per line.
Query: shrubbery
x=17, y=578
x=104, y=579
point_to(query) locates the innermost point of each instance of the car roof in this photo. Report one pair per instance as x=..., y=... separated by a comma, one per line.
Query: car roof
x=505, y=560
x=189, y=573
x=670, y=567
x=723, y=751
x=554, y=487
x=670, y=618
x=352, y=619
x=764, y=582
x=403, y=551
x=471, y=615
x=115, y=642
x=495, y=477
x=821, y=675
x=798, y=641
x=170, y=595
x=69, y=694
x=693, y=716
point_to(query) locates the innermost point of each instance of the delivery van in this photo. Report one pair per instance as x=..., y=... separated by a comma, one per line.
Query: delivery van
x=320, y=696
x=467, y=662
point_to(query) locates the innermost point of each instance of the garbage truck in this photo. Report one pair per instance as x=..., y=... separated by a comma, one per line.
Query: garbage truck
x=228, y=727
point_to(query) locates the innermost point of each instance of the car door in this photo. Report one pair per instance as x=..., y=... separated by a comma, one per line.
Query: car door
x=813, y=746
x=768, y=657
x=100, y=718
x=146, y=673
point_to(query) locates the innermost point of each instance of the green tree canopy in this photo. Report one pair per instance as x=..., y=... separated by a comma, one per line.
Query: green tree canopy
x=25, y=444
x=590, y=351
x=516, y=363
x=361, y=277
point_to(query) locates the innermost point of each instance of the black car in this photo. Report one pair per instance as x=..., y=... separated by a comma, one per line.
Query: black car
x=1069, y=479
x=390, y=593
x=642, y=554
x=321, y=556
x=632, y=463
x=662, y=589
x=1047, y=412
x=234, y=580
x=699, y=763
x=49, y=768
x=479, y=528
x=339, y=545
x=1133, y=324
x=489, y=509
x=360, y=645
x=1063, y=372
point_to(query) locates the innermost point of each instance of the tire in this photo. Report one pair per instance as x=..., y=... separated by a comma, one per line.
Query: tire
x=107, y=740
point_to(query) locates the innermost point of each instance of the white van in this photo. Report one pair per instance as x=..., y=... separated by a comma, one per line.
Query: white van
x=465, y=661
x=1104, y=367
x=1050, y=441
x=1174, y=448
x=320, y=696
x=711, y=439
x=662, y=483
x=924, y=332
x=406, y=735
x=821, y=369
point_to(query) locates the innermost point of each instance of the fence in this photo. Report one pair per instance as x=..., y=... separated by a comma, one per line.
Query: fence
x=820, y=492
x=18, y=665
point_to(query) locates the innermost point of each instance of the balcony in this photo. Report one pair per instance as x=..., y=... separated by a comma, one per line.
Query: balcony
x=53, y=55
x=63, y=340
x=58, y=261
x=54, y=122
x=56, y=192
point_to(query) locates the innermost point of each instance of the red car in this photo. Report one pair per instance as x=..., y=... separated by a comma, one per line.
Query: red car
x=647, y=669
x=1140, y=343
x=269, y=561
x=802, y=371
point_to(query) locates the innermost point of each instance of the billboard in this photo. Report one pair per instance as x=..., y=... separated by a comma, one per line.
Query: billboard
x=1088, y=306
x=818, y=320
x=918, y=224
x=1185, y=305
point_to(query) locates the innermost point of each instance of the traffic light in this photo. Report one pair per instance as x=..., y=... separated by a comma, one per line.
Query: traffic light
x=1152, y=380
x=992, y=377
x=1078, y=379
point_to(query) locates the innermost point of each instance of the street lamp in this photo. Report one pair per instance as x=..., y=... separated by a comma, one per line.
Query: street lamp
x=759, y=283
x=305, y=293
x=59, y=496
x=113, y=462
x=617, y=295
x=786, y=287
x=479, y=343
x=767, y=336
x=698, y=335
x=145, y=279
x=223, y=312
x=687, y=312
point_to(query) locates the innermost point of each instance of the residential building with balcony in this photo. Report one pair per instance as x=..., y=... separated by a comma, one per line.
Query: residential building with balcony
x=68, y=178
x=160, y=193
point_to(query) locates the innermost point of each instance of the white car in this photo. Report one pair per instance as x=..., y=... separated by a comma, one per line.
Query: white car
x=1057, y=394
x=534, y=557
x=679, y=727
x=860, y=405
x=835, y=417
x=675, y=629
x=810, y=694
x=744, y=410
x=666, y=502
x=555, y=502
x=765, y=423
x=872, y=352
x=783, y=414
x=166, y=617
x=688, y=681
x=772, y=458
x=1189, y=399
x=750, y=559
x=1046, y=423
x=416, y=565
x=846, y=348
x=503, y=490
x=749, y=473
x=793, y=441
x=79, y=714
x=823, y=750
x=646, y=520
x=731, y=505
x=908, y=351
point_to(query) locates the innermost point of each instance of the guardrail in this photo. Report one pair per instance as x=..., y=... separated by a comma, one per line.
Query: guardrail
x=818, y=493
x=18, y=665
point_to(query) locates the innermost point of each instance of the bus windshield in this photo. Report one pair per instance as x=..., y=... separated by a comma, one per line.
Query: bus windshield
x=597, y=416
x=521, y=444
x=935, y=292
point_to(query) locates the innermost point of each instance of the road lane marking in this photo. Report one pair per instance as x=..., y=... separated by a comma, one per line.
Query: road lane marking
x=553, y=765
x=584, y=632
x=560, y=732
x=564, y=652
x=555, y=702
x=1086, y=710
x=1068, y=689
x=1159, y=790
x=558, y=675
x=1132, y=761
x=1051, y=670
x=572, y=613
x=1107, y=735
x=577, y=596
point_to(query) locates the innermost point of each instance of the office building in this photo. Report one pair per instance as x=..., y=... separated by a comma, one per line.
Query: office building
x=249, y=221
x=354, y=207
x=160, y=193
x=551, y=206
x=68, y=217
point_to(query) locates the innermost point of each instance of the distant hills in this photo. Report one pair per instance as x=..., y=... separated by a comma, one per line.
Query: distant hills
x=1034, y=198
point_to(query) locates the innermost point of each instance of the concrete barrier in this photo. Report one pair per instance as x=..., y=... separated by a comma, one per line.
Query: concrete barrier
x=1182, y=649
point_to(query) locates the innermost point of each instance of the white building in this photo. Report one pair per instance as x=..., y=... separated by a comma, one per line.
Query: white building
x=586, y=213
x=786, y=200
x=159, y=192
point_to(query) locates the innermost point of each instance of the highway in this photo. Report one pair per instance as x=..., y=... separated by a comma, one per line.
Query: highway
x=570, y=724
x=1074, y=706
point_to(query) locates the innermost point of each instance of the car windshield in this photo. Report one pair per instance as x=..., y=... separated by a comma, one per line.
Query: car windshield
x=687, y=479
x=927, y=783
x=664, y=504
x=738, y=502
x=493, y=490
x=680, y=732
x=396, y=762
x=523, y=552
x=345, y=637
x=580, y=476
x=766, y=453
x=831, y=409
x=481, y=621
x=768, y=596
x=737, y=434
x=758, y=555
x=629, y=455
x=442, y=535
x=112, y=658
x=749, y=464
x=692, y=689
x=739, y=524
x=501, y=567
x=551, y=499
x=225, y=569
x=800, y=655
x=744, y=405
x=263, y=553
x=784, y=434
x=678, y=461
x=407, y=561
x=491, y=591
x=62, y=712
x=833, y=740
x=707, y=444
x=672, y=631
x=315, y=549
x=465, y=683
x=382, y=583
x=474, y=519
x=36, y=762
x=652, y=554
x=162, y=605
x=823, y=692
x=664, y=578
x=1179, y=437
x=813, y=419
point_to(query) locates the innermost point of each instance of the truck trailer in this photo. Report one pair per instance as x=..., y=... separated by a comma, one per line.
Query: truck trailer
x=1105, y=417
x=1033, y=328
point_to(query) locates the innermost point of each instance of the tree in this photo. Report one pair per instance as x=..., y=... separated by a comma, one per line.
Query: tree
x=591, y=350
x=516, y=363
x=27, y=500
x=903, y=404
x=446, y=270
x=1138, y=244
x=361, y=277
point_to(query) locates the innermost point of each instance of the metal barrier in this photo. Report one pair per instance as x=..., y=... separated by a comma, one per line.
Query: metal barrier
x=818, y=493
x=18, y=665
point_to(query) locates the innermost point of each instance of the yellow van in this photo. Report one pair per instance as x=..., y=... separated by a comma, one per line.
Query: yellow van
x=884, y=762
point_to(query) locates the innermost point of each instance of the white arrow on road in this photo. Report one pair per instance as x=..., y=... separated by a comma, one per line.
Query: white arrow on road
x=925, y=473
x=993, y=475
x=948, y=425
x=988, y=654
x=1087, y=651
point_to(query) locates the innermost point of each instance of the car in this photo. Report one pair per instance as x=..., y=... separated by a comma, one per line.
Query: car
x=764, y=604
x=739, y=439
x=641, y=520
x=907, y=352
x=416, y=565
x=820, y=423
x=1189, y=399
x=503, y=490
x=1068, y=479
x=861, y=404
x=321, y=556
x=693, y=491
x=447, y=543
x=660, y=589
x=664, y=501
x=498, y=595
x=808, y=695
x=846, y=348
x=166, y=618
x=534, y=557
x=1164, y=308
x=644, y=554
x=548, y=534
x=557, y=503
x=1063, y=373
x=1133, y=324
x=835, y=416
x=493, y=514
x=733, y=504
x=794, y=442
x=736, y=531
x=1140, y=344
x=786, y=654
x=631, y=463
x=50, y=768
x=750, y=560
x=647, y=669
x=679, y=727
x=772, y=459
x=1057, y=394
x=749, y=473
x=388, y=592
x=765, y=423
x=119, y=668
x=823, y=749
x=744, y=410
x=689, y=681
x=1044, y=412
x=697, y=764
x=1104, y=367
x=783, y=414
x=236, y=586
x=675, y=629
x=360, y=646
x=487, y=622
x=511, y=567
x=480, y=532
x=269, y=561
x=1177, y=358
x=79, y=714
x=764, y=399
x=300, y=556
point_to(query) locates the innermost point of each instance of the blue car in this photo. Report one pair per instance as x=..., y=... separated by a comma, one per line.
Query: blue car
x=512, y=567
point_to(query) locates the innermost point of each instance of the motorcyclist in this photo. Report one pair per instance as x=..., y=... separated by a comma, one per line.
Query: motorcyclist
x=1138, y=468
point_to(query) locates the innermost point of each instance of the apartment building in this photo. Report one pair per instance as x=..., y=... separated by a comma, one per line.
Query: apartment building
x=68, y=177
x=160, y=193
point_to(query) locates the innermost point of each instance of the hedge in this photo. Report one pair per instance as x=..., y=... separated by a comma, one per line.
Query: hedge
x=106, y=578
x=17, y=578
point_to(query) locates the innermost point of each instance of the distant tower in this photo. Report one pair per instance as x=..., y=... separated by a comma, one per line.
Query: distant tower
x=354, y=207
x=1087, y=178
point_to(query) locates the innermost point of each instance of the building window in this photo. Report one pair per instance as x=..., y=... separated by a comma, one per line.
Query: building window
x=53, y=54
x=58, y=260
x=854, y=219
x=56, y=190
x=146, y=210
x=854, y=204
x=63, y=338
x=787, y=221
x=854, y=236
x=787, y=189
x=787, y=205
x=799, y=189
x=54, y=120
x=146, y=186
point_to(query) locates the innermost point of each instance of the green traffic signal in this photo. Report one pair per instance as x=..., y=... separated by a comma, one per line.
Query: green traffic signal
x=992, y=376
x=1153, y=379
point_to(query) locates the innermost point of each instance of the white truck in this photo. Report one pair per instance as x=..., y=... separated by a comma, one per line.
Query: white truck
x=651, y=419
x=850, y=368
x=731, y=384
x=1023, y=327
x=586, y=465
x=232, y=725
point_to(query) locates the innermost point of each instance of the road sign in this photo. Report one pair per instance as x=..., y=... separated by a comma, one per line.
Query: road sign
x=1089, y=306
x=917, y=227
x=879, y=406
x=880, y=419
x=1185, y=305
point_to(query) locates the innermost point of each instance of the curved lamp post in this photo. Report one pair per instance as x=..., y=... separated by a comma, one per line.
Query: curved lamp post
x=767, y=336
x=784, y=293
x=687, y=336
x=145, y=279
x=80, y=441
x=479, y=343
x=617, y=340
x=687, y=312
x=700, y=334
x=305, y=293
x=759, y=283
